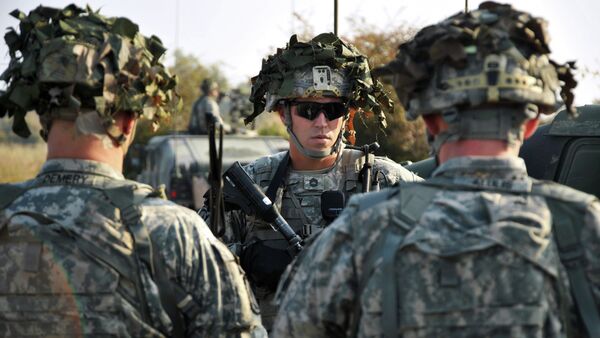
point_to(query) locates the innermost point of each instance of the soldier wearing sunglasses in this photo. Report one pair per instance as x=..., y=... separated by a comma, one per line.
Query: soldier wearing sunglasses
x=316, y=87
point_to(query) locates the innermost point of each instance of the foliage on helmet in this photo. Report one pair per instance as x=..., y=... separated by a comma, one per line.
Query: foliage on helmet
x=494, y=54
x=280, y=72
x=64, y=61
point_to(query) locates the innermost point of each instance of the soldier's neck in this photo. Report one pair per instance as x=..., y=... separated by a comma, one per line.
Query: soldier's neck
x=65, y=142
x=301, y=162
x=463, y=148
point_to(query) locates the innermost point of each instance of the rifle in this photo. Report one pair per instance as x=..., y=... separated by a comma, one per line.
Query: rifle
x=239, y=189
x=369, y=150
x=215, y=197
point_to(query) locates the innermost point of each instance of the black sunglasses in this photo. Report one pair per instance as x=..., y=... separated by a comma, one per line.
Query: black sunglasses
x=311, y=110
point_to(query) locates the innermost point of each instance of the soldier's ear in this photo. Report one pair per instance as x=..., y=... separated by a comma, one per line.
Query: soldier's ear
x=126, y=122
x=279, y=110
x=530, y=127
x=435, y=123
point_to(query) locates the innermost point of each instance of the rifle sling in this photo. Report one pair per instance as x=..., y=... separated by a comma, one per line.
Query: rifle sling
x=278, y=178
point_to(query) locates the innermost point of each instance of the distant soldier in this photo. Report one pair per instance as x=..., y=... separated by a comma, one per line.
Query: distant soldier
x=206, y=109
x=84, y=252
x=316, y=87
x=480, y=249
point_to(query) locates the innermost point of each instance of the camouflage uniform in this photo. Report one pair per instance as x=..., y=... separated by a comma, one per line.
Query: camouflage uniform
x=205, y=105
x=299, y=201
x=79, y=296
x=480, y=249
x=468, y=261
x=84, y=252
x=324, y=67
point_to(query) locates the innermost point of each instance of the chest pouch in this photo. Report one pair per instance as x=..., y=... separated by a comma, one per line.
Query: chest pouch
x=332, y=204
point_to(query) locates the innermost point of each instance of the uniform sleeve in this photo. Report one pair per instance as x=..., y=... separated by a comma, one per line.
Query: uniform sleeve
x=394, y=173
x=221, y=301
x=317, y=293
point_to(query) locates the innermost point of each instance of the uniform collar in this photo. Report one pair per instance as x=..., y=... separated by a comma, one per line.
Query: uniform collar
x=80, y=166
x=475, y=165
x=502, y=173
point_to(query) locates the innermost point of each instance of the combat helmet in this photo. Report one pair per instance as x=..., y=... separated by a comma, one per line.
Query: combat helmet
x=325, y=66
x=75, y=64
x=485, y=72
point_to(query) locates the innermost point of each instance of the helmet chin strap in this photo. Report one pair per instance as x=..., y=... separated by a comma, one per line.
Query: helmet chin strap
x=315, y=154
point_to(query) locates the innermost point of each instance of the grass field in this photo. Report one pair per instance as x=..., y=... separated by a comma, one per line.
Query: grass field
x=20, y=161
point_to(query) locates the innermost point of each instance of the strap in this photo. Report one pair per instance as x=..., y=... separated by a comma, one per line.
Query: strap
x=415, y=198
x=62, y=236
x=567, y=230
x=169, y=297
x=123, y=197
x=307, y=226
x=390, y=301
x=9, y=193
x=278, y=178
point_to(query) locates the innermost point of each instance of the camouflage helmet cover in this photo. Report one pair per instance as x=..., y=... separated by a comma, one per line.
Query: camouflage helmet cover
x=68, y=60
x=323, y=66
x=492, y=55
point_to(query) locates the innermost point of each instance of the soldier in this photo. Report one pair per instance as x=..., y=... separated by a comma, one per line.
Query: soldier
x=316, y=87
x=84, y=252
x=206, y=109
x=470, y=252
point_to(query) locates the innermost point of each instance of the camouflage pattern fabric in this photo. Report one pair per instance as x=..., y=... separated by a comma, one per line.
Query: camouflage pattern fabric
x=299, y=202
x=479, y=262
x=205, y=105
x=289, y=73
x=495, y=54
x=66, y=61
x=59, y=295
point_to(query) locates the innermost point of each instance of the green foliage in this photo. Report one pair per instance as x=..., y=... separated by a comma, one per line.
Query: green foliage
x=190, y=73
x=270, y=125
x=75, y=58
x=402, y=140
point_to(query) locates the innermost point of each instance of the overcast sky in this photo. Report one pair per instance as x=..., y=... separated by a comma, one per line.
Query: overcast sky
x=237, y=34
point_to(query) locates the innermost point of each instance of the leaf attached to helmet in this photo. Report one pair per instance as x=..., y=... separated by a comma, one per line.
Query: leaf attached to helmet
x=65, y=61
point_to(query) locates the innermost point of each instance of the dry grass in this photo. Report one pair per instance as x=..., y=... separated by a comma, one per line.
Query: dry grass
x=19, y=161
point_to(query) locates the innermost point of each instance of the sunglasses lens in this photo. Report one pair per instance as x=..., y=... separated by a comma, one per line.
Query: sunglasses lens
x=311, y=110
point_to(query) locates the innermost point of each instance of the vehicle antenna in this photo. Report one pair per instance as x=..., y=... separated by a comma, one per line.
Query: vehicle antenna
x=335, y=17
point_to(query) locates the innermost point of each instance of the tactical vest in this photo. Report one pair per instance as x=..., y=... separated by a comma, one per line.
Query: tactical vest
x=299, y=199
x=431, y=304
x=42, y=263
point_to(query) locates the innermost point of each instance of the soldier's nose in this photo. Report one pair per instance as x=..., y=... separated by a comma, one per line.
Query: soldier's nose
x=320, y=119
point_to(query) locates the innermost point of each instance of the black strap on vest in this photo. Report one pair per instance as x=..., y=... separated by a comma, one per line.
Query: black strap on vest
x=278, y=178
x=567, y=224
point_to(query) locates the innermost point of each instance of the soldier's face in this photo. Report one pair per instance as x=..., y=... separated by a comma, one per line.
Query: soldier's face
x=320, y=133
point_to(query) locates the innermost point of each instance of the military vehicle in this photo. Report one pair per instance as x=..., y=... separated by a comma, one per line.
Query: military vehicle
x=565, y=150
x=181, y=162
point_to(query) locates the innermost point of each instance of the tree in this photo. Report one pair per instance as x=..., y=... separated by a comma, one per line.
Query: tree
x=190, y=73
x=402, y=140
